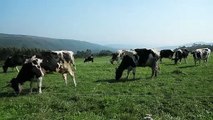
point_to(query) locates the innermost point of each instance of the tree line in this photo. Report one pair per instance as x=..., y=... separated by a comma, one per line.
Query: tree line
x=196, y=46
x=10, y=51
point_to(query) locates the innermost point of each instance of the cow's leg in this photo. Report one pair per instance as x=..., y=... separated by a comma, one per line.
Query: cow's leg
x=65, y=77
x=39, y=81
x=31, y=86
x=111, y=61
x=153, y=72
x=118, y=60
x=205, y=60
x=73, y=77
x=195, y=61
x=133, y=72
x=185, y=60
x=154, y=69
x=128, y=71
x=17, y=69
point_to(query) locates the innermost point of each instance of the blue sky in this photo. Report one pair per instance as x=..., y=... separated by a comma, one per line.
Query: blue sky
x=131, y=22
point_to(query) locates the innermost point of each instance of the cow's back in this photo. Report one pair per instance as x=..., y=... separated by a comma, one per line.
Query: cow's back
x=146, y=57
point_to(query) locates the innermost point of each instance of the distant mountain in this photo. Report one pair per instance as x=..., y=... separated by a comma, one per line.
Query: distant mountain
x=125, y=46
x=200, y=43
x=19, y=41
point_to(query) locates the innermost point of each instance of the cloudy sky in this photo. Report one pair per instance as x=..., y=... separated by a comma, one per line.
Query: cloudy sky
x=131, y=22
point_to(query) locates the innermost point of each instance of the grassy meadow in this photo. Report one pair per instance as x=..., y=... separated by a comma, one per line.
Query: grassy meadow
x=180, y=92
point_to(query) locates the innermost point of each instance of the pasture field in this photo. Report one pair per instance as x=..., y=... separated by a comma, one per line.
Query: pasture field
x=180, y=92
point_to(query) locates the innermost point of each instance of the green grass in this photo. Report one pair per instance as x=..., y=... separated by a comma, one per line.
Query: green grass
x=180, y=92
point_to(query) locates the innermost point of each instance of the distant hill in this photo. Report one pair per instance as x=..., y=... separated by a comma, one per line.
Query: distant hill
x=19, y=41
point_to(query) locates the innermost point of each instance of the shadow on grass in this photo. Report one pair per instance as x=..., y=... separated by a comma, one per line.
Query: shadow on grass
x=25, y=92
x=169, y=64
x=117, y=81
x=2, y=72
x=188, y=66
x=7, y=94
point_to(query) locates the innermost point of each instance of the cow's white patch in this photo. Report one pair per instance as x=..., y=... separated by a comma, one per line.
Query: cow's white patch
x=150, y=59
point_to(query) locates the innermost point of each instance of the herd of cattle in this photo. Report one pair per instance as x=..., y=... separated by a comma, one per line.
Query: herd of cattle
x=35, y=67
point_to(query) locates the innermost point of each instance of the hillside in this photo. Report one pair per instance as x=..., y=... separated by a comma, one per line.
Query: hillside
x=11, y=40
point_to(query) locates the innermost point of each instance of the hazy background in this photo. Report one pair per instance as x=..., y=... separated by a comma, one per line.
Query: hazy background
x=111, y=22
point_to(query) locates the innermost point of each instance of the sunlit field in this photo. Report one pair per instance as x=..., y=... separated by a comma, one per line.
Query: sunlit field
x=180, y=92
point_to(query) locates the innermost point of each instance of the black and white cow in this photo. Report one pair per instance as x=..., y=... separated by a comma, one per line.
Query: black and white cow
x=166, y=53
x=14, y=61
x=89, y=58
x=142, y=58
x=201, y=54
x=180, y=54
x=117, y=56
x=30, y=71
x=59, y=61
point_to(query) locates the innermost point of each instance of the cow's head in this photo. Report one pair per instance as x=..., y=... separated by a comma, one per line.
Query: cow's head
x=118, y=73
x=114, y=57
x=16, y=86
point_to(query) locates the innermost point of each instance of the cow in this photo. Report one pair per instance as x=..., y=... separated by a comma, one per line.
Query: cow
x=30, y=71
x=166, y=53
x=180, y=54
x=117, y=56
x=121, y=53
x=89, y=58
x=59, y=61
x=14, y=61
x=142, y=58
x=201, y=54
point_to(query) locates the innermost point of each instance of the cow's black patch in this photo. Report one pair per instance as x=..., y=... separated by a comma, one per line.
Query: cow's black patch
x=50, y=61
x=67, y=57
x=144, y=56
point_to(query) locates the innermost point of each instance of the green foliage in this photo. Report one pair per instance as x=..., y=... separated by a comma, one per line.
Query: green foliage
x=180, y=92
x=6, y=52
x=196, y=46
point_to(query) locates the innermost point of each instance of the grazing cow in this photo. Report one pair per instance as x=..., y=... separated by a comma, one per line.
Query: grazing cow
x=201, y=54
x=14, y=61
x=59, y=61
x=167, y=53
x=89, y=58
x=117, y=56
x=179, y=54
x=142, y=58
x=30, y=71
